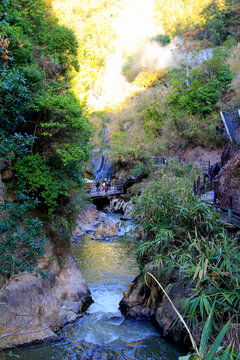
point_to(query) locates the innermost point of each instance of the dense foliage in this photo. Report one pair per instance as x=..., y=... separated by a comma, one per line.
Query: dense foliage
x=22, y=236
x=181, y=232
x=44, y=131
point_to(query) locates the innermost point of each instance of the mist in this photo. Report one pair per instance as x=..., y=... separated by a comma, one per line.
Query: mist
x=136, y=50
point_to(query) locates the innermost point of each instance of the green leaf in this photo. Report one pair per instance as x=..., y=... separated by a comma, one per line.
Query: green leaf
x=206, y=333
x=187, y=357
x=217, y=342
x=225, y=354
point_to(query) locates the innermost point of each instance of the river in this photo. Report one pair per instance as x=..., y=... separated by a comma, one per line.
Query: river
x=103, y=333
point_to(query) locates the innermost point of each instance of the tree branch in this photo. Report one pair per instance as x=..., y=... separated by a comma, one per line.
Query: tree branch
x=26, y=332
x=26, y=324
x=14, y=312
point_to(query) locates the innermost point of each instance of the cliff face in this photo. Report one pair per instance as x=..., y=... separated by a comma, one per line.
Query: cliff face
x=33, y=309
x=227, y=183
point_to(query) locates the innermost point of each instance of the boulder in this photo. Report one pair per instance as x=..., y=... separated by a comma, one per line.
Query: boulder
x=87, y=221
x=32, y=309
x=107, y=229
x=145, y=300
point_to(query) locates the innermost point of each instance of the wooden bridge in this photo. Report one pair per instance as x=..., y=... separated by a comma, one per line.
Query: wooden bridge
x=111, y=190
x=119, y=188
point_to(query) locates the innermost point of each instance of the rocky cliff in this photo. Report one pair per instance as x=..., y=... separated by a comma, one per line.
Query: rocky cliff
x=144, y=299
x=227, y=183
x=32, y=309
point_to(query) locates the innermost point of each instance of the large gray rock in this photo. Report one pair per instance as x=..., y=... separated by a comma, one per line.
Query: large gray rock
x=87, y=221
x=41, y=307
x=227, y=183
x=90, y=221
x=145, y=300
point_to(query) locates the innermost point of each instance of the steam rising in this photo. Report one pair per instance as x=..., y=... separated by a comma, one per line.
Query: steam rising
x=135, y=24
x=134, y=29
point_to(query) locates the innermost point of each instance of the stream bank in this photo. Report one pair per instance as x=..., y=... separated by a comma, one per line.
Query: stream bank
x=102, y=332
x=35, y=309
x=143, y=299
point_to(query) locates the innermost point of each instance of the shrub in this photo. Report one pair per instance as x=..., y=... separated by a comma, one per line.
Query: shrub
x=22, y=237
x=34, y=175
x=181, y=232
x=162, y=39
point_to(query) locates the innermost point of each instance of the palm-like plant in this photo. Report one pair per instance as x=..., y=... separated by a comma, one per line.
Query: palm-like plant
x=203, y=351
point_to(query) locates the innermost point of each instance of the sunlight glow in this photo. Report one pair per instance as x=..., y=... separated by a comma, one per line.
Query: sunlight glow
x=134, y=28
x=135, y=24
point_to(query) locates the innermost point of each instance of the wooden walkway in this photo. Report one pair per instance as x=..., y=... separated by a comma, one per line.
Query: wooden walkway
x=112, y=190
x=119, y=188
x=227, y=215
x=207, y=194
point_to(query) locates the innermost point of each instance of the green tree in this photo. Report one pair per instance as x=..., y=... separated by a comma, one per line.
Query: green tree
x=44, y=132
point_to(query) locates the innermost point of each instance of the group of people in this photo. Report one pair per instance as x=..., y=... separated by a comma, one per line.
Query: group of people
x=105, y=184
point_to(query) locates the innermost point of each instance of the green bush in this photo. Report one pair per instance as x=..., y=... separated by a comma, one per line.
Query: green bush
x=139, y=168
x=162, y=39
x=22, y=237
x=34, y=175
x=198, y=92
x=14, y=146
x=15, y=99
x=181, y=232
x=62, y=41
x=63, y=127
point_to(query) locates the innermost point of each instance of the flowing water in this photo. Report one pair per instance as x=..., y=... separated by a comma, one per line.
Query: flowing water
x=103, y=333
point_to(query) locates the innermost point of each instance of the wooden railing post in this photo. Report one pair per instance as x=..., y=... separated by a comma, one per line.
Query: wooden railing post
x=209, y=170
x=198, y=181
x=231, y=202
x=194, y=188
x=214, y=198
x=229, y=215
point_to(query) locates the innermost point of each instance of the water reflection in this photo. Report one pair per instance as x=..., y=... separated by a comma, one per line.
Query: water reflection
x=108, y=267
x=112, y=266
x=104, y=261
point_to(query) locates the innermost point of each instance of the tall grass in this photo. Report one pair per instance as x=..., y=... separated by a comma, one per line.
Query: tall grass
x=203, y=352
x=181, y=232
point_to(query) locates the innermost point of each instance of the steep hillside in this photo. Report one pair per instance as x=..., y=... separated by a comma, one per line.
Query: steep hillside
x=44, y=136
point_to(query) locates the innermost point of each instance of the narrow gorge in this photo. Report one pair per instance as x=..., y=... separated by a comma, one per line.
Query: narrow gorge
x=119, y=179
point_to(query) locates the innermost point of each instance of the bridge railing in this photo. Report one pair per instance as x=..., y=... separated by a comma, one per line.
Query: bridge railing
x=227, y=214
x=130, y=179
x=231, y=120
x=99, y=192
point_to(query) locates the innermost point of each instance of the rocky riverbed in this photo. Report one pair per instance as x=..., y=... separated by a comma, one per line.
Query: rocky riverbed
x=141, y=300
x=101, y=225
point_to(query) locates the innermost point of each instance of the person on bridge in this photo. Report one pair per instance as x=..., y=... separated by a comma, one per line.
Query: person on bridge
x=106, y=186
x=215, y=170
x=103, y=186
x=98, y=185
